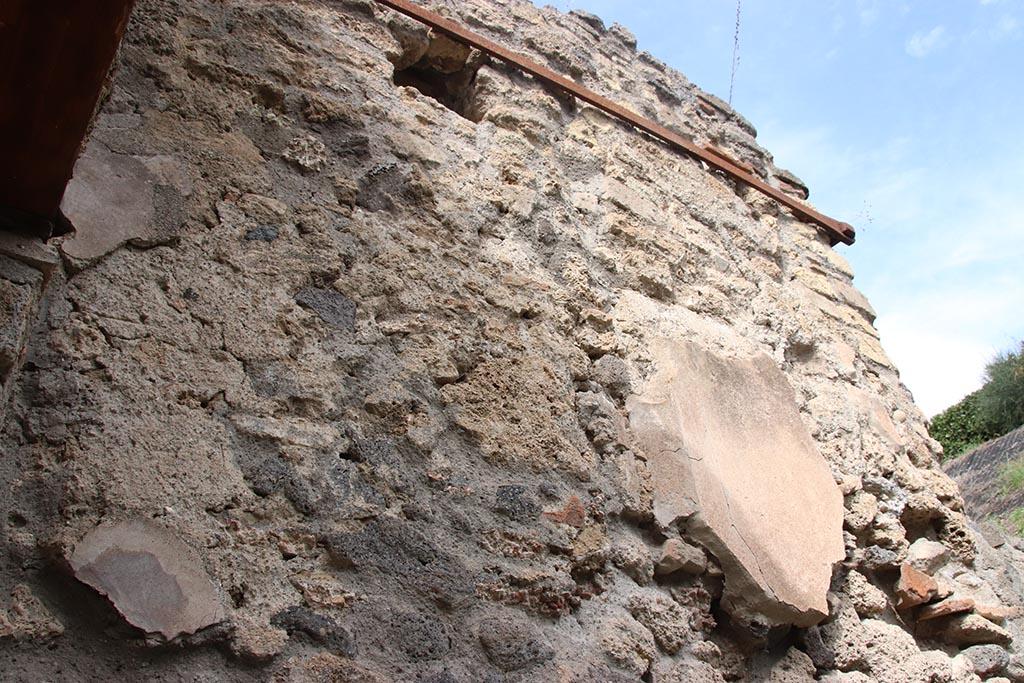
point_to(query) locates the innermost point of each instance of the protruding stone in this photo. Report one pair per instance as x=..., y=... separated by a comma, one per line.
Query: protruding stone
x=987, y=660
x=629, y=645
x=998, y=612
x=152, y=578
x=927, y=556
x=845, y=639
x=633, y=558
x=679, y=556
x=849, y=484
x=922, y=508
x=972, y=629
x=446, y=55
x=112, y=200
x=866, y=598
x=726, y=435
x=31, y=252
x=945, y=608
x=875, y=558
x=861, y=510
x=794, y=667
x=914, y=588
x=665, y=618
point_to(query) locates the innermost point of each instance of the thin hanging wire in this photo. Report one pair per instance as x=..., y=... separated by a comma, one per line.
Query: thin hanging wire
x=735, y=50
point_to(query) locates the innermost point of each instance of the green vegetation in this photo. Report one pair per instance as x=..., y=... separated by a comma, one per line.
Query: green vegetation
x=1001, y=399
x=960, y=428
x=1016, y=520
x=1011, y=477
x=995, y=409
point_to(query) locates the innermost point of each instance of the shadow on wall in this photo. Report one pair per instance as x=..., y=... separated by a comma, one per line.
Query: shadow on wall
x=440, y=68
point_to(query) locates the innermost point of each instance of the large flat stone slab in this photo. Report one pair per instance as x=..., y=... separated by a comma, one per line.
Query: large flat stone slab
x=154, y=580
x=728, y=451
x=115, y=199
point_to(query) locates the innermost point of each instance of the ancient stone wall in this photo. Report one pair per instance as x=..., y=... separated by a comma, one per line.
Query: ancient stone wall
x=375, y=360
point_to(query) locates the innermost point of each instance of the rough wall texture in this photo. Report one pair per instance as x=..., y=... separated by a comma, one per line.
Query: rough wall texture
x=361, y=336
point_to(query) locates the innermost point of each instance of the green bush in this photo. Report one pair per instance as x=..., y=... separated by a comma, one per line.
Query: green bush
x=960, y=428
x=1011, y=476
x=1000, y=402
x=995, y=409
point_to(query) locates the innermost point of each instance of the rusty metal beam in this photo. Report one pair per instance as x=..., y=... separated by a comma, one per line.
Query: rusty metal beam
x=837, y=230
x=54, y=58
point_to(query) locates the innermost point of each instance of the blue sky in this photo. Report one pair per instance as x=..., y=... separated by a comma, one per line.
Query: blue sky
x=906, y=119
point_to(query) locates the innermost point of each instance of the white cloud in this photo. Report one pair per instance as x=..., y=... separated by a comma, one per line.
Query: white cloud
x=938, y=370
x=957, y=300
x=868, y=11
x=941, y=339
x=940, y=258
x=1006, y=27
x=922, y=44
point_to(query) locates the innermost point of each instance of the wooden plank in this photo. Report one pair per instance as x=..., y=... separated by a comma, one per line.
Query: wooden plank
x=54, y=58
x=837, y=230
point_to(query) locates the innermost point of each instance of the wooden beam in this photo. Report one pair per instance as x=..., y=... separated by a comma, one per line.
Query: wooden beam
x=837, y=230
x=55, y=56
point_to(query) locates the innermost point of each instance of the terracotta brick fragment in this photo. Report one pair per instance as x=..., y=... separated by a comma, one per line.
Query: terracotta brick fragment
x=914, y=588
x=945, y=608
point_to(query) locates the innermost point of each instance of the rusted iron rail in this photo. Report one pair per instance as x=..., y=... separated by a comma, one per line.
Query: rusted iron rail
x=836, y=230
x=54, y=58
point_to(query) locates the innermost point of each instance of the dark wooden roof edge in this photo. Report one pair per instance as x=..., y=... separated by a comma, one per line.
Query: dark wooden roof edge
x=55, y=57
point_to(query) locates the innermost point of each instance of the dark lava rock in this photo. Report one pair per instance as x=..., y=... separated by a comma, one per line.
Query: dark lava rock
x=513, y=643
x=320, y=629
x=336, y=309
x=420, y=636
x=613, y=373
x=516, y=502
x=876, y=558
x=264, y=233
x=403, y=556
x=988, y=660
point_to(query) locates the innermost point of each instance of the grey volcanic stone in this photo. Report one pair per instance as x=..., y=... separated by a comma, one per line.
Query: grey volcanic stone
x=335, y=308
x=421, y=636
x=513, y=643
x=613, y=373
x=264, y=233
x=321, y=629
x=988, y=660
x=517, y=502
